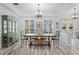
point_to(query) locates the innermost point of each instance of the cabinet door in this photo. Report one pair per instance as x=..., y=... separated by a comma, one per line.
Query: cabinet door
x=31, y=26
x=46, y=26
x=4, y=24
x=26, y=26
x=4, y=30
x=14, y=30
x=50, y=26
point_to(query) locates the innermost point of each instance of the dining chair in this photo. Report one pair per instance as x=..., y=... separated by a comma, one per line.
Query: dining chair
x=56, y=37
x=23, y=39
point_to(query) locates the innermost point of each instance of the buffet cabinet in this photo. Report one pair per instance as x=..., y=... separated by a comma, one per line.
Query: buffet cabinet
x=8, y=30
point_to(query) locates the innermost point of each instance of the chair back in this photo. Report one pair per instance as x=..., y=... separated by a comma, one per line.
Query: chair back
x=57, y=34
x=21, y=33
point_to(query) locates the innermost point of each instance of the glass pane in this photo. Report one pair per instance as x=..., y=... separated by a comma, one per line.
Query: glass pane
x=13, y=30
x=9, y=26
x=5, y=31
x=5, y=26
x=10, y=30
x=5, y=22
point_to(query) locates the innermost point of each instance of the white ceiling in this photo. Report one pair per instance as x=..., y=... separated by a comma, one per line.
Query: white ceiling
x=48, y=9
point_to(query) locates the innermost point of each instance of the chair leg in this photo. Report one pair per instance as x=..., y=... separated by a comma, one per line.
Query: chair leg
x=58, y=42
x=22, y=42
x=53, y=42
x=26, y=42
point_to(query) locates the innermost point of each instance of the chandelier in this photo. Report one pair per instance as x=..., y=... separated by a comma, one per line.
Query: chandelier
x=38, y=14
x=75, y=14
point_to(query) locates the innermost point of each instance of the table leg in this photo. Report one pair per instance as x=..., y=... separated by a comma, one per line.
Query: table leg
x=49, y=42
x=30, y=42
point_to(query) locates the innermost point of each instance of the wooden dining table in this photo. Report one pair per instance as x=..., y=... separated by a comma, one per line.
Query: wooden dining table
x=39, y=41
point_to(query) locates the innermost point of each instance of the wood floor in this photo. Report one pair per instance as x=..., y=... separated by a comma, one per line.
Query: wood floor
x=18, y=49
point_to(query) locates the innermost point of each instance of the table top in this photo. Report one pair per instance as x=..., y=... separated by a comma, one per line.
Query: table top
x=39, y=35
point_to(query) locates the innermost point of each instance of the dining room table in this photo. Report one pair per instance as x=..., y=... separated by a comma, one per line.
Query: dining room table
x=39, y=41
